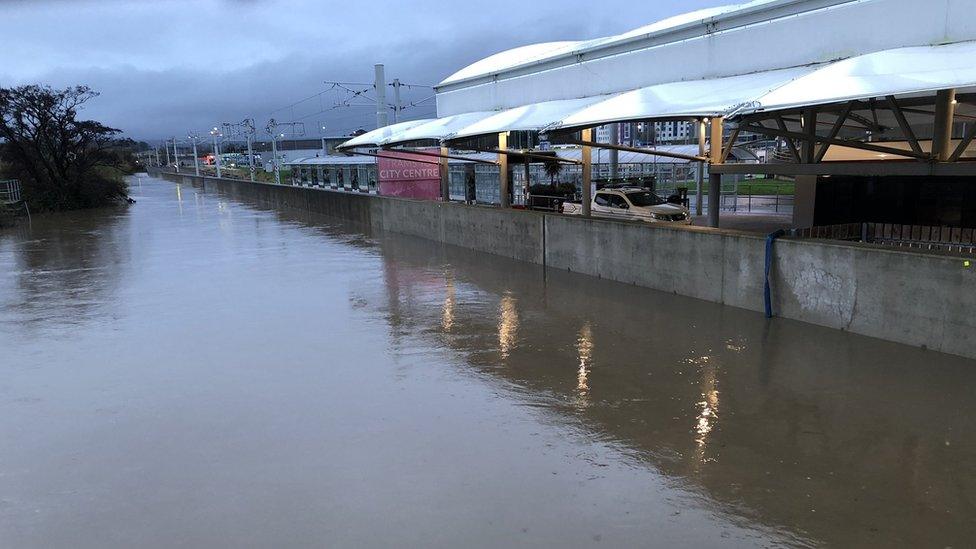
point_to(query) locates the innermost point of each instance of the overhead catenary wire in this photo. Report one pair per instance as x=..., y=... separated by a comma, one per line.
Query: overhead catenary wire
x=344, y=95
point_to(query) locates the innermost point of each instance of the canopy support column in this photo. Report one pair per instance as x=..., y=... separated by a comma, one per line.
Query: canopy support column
x=587, y=158
x=942, y=137
x=614, y=153
x=504, y=184
x=714, y=178
x=445, y=175
x=699, y=192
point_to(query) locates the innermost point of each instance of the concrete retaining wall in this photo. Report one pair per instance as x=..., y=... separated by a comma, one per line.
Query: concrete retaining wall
x=919, y=299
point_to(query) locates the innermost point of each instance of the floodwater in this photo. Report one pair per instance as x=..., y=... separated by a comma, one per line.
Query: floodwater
x=195, y=372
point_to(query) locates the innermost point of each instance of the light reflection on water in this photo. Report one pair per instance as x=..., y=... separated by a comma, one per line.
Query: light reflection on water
x=508, y=325
x=584, y=346
x=242, y=367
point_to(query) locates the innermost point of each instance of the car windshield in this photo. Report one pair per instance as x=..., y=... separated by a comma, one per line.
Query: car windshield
x=644, y=198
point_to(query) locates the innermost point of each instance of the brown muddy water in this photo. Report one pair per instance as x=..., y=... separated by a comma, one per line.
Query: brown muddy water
x=195, y=372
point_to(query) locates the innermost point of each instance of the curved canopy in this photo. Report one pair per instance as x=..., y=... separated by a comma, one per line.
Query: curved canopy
x=693, y=99
x=901, y=71
x=891, y=72
x=377, y=136
x=536, y=117
x=526, y=55
x=513, y=57
x=439, y=129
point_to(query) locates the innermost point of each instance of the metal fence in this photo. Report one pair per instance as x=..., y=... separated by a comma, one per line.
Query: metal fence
x=10, y=191
x=918, y=237
x=772, y=203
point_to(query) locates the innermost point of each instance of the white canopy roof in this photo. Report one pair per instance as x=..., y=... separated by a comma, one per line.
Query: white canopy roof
x=526, y=55
x=902, y=71
x=698, y=98
x=377, y=136
x=441, y=128
x=533, y=117
x=891, y=72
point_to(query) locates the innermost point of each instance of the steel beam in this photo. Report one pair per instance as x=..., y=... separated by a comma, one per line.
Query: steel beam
x=865, y=168
x=789, y=140
x=834, y=132
x=727, y=148
x=656, y=152
x=964, y=144
x=906, y=128
x=844, y=143
x=533, y=155
x=419, y=153
x=859, y=105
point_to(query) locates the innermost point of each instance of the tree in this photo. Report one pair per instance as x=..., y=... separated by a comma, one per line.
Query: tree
x=553, y=168
x=62, y=162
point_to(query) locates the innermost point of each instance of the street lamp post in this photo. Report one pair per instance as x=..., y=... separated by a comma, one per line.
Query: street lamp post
x=216, y=147
x=248, y=124
x=196, y=157
x=272, y=129
x=274, y=158
x=176, y=156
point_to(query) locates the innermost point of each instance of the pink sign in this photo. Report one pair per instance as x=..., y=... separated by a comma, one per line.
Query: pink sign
x=409, y=175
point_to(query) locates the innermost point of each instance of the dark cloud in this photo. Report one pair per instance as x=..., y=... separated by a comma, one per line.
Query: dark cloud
x=165, y=68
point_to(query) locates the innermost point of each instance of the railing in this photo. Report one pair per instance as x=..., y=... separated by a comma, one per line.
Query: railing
x=775, y=203
x=918, y=237
x=10, y=191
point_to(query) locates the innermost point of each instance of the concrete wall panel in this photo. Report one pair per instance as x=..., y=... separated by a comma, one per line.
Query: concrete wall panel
x=907, y=297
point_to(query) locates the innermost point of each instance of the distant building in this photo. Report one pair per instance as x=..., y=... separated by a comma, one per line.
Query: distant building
x=676, y=131
x=303, y=144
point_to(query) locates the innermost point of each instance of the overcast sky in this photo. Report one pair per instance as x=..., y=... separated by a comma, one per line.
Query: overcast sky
x=166, y=67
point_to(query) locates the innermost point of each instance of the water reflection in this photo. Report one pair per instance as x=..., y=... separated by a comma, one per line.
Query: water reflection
x=508, y=325
x=584, y=347
x=63, y=267
x=263, y=351
x=707, y=411
x=447, y=316
x=805, y=429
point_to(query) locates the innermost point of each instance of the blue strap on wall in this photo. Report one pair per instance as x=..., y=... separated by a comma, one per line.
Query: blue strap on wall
x=770, y=238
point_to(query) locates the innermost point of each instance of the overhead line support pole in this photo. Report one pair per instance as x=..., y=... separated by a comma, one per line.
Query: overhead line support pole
x=382, y=119
x=196, y=157
x=396, y=100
